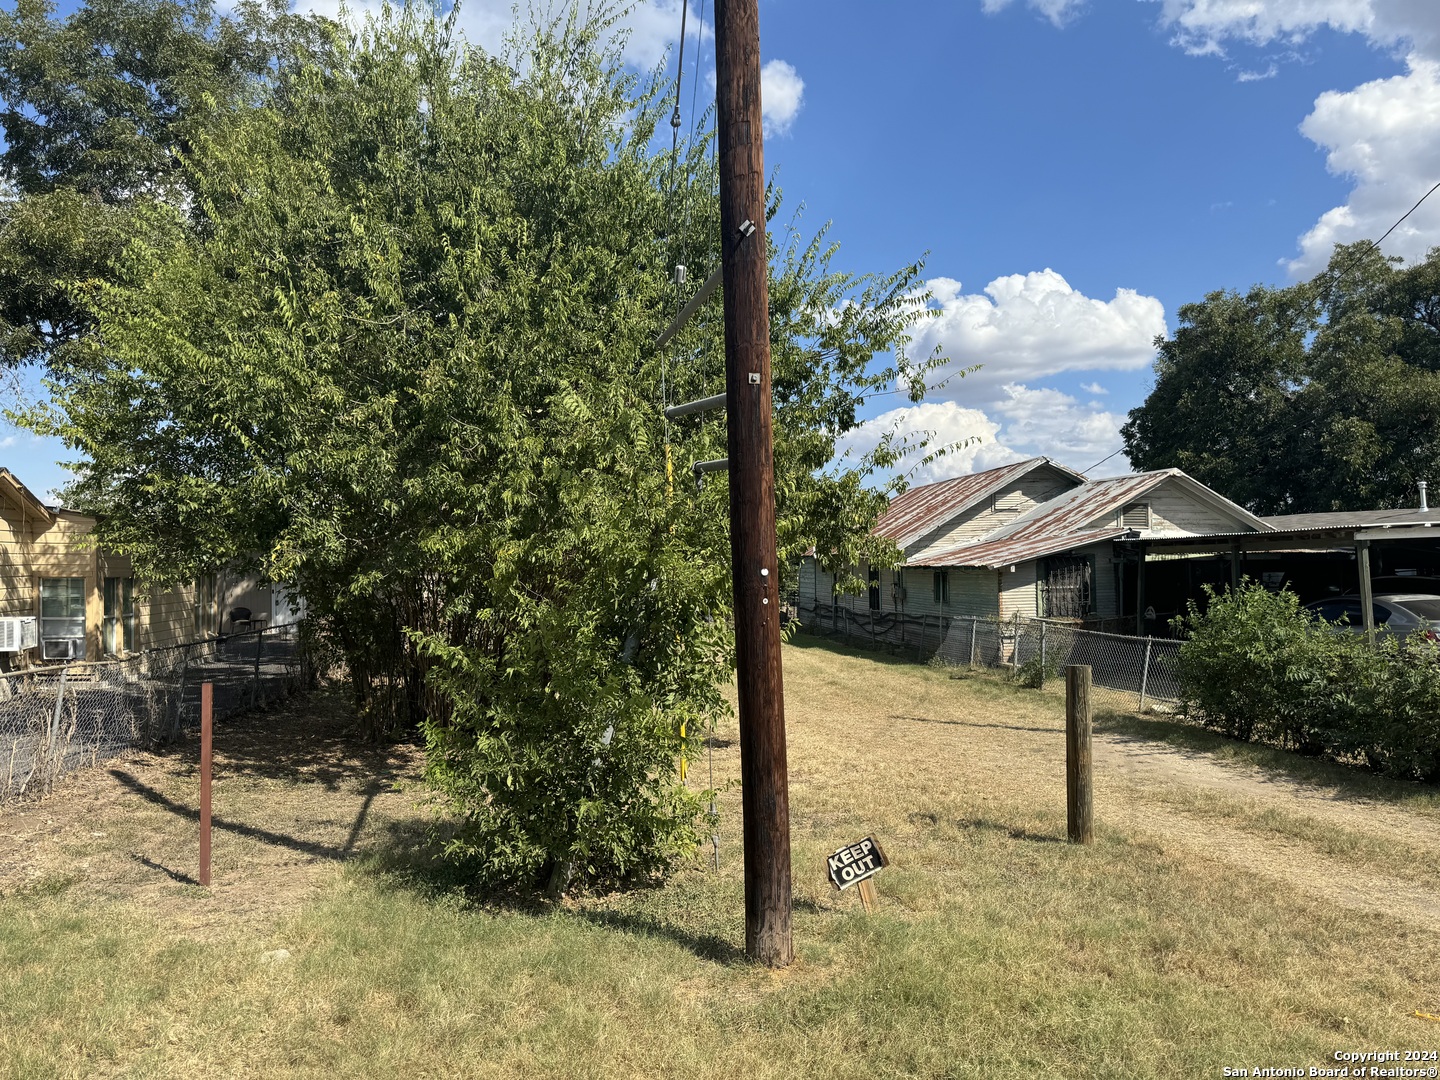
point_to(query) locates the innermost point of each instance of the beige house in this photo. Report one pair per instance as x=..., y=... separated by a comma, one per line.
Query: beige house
x=87, y=603
x=1031, y=539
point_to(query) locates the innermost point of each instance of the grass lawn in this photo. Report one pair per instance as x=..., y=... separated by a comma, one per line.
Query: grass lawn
x=1238, y=909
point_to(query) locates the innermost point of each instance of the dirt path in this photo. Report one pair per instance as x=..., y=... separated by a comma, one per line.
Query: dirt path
x=1245, y=813
x=296, y=795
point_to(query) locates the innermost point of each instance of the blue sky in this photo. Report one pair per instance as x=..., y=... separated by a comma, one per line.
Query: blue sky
x=1076, y=172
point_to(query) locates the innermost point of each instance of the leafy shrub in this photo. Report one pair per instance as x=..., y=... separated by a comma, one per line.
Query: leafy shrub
x=1257, y=666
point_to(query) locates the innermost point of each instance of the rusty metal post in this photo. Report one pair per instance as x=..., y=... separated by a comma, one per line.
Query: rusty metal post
x=207, y=723
x=745, y=261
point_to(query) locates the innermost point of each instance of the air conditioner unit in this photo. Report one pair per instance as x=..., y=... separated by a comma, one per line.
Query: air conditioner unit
x=19, y=633
x=58, y=648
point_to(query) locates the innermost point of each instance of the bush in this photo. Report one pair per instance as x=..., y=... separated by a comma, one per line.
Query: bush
x=1257, y=666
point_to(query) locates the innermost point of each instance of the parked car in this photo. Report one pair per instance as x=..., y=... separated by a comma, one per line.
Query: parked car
x=1395, y=613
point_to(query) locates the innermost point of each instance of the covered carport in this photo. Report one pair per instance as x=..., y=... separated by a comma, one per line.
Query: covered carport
x=1316, y=555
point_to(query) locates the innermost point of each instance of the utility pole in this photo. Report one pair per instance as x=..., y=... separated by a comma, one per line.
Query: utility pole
x=745, y=267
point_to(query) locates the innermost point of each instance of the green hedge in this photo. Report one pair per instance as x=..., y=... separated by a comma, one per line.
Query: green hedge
x=1258, y=666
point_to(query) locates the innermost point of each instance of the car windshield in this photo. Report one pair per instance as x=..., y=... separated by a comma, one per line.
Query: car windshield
x=1429, y=610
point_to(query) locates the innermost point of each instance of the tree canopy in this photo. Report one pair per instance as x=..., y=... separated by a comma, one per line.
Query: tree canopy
x=1321, y=396
x=395, y=348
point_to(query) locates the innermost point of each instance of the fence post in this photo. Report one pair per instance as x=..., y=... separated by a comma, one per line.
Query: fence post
x=51, y=769
x=1145, y=674
x=1079, y=817
x=1042, y=656
x=207, y=726
x=974, y=633
x=255, y=683
x=180, y=700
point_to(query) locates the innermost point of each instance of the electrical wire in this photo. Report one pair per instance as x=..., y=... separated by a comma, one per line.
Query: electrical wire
x=1101, y=461
x=1375, y=244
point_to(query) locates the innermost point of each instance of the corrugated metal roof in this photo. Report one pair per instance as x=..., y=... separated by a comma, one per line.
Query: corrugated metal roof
x=922, y=510
x=993, y=554
x=1077, y=508
x=1347, y=519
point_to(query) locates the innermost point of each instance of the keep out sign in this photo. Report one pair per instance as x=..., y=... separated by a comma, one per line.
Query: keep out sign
x=853, y=864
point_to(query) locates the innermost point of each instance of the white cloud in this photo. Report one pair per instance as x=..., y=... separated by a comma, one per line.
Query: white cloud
x=782, y=93
x=1386, y=136
x=1093, y=388
x=945, y=423
x=1027, y=326
x=1040, y=420
x=1383, y=134
x=1059, y=12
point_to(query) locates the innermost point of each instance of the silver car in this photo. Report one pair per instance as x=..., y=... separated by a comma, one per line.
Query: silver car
x=1395, y=613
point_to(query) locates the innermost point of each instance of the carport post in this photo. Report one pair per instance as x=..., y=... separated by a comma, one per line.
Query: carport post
x=1079, y=816
x=1367, y=600
x=1140, y=628
x=255, y=685
x=207, y=723
x=1234, y=565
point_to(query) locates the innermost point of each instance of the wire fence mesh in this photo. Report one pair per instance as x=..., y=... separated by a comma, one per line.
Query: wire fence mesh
x=56, y=719
x=1128, y=672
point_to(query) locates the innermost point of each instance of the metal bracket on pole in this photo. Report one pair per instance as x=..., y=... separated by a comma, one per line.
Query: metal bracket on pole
x=675, y=412
x=700, y=468
x=711, y=284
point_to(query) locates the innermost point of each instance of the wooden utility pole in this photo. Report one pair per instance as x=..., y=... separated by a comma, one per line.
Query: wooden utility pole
x=745, y=266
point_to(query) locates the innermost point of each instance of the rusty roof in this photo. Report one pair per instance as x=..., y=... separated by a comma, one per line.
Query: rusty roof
x=1072, y=511
x=921, y=510
x=11, y=485
x=993, y=554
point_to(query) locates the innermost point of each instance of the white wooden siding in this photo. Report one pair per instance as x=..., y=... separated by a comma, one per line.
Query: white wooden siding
x=1018, y=497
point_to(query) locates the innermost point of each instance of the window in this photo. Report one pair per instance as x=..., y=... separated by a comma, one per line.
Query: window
x=1067, y=587
x=62, y=618
x=874, y=589
x=1135, y=516
x=942, y=586
x=119, y=625
x=1011, y=502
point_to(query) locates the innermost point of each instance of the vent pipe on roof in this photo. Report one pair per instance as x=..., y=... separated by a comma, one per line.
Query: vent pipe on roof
x=1423, y=507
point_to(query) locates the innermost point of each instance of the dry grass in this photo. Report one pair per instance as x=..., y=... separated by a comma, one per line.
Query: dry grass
x=999, y=950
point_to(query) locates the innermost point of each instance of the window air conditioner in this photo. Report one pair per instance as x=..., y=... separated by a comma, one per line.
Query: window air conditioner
x=58, y=648
x=18, y=633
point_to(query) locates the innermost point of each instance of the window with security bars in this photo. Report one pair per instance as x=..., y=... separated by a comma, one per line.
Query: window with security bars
x=1067, y=587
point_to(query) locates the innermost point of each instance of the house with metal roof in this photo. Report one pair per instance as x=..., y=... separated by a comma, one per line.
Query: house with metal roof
x=1033, y=539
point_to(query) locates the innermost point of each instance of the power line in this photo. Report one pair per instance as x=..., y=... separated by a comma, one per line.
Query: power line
x=1375, y=244
x=1101, y=461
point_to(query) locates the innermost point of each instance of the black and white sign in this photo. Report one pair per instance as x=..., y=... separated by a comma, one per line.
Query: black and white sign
x=852, y=865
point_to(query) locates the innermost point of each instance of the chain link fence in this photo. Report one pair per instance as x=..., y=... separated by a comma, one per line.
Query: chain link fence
x=55, y=719
x=1130, y=672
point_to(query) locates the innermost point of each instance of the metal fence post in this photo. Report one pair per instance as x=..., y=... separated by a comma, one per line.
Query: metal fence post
x=974, y=634
x=180, y=700
x=52, y=769
x=1042, y=656
x=255, y=684
x=1145, y=673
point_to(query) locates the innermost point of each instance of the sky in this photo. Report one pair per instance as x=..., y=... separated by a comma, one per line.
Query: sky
x=1072, y=173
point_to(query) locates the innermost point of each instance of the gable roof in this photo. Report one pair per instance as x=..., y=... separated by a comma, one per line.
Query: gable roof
x=1072, y=520
x=1074, y=510
x=921, y=510
x=23, y=497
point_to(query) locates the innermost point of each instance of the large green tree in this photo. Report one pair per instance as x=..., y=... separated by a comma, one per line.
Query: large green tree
x=399, y=353
x=1321, y=396
x=97, y=109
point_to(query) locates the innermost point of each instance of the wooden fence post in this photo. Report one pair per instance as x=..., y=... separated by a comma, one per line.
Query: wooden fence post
x=1080, y=820
x=207, y=724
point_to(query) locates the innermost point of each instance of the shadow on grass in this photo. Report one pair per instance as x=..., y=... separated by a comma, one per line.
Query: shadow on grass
x=410, y=858
x=1344, y=782
x=971, y=723
x=173, y=875
x=804, y=640
x=1009, y=830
